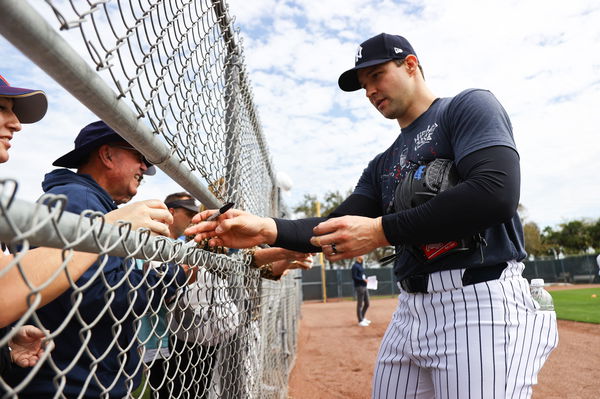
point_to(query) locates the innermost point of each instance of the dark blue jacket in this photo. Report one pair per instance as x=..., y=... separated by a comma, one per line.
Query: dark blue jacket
x=358, y=273
x=117, y=322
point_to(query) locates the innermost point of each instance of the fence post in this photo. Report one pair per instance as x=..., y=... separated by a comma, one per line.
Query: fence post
x=323, y=279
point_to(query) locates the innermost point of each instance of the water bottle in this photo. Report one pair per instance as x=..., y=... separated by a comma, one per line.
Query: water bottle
x=540, y=295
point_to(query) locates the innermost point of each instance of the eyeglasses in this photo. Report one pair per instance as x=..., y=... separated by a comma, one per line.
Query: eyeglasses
x=138, y=154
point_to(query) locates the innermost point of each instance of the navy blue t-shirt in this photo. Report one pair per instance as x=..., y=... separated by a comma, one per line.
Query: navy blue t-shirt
x=451, y=128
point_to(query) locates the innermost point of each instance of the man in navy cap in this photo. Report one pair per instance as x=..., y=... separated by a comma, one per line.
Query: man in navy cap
x=19, y=106
x=110, y=160
x=96, y=346
x=445, y=194
x=37, y=267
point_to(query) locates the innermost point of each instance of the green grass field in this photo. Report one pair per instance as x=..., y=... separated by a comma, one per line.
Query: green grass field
x=578, y=305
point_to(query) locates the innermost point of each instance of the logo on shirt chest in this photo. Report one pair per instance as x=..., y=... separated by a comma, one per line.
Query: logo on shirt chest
x=425, y=136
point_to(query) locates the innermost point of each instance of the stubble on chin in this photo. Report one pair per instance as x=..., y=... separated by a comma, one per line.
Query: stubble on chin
x=388, y=114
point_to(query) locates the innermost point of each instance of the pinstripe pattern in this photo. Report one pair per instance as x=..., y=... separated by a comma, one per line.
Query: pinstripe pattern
x=485, y=340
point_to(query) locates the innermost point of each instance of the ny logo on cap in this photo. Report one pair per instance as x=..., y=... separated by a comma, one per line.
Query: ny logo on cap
x=358, y=54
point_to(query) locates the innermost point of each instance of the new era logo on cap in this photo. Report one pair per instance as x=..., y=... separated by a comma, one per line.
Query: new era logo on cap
x=376, y=50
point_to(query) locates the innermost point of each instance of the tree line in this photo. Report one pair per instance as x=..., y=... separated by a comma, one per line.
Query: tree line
x=575, y=237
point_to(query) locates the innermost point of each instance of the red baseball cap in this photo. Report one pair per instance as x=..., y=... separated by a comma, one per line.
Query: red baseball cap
x=29, y=105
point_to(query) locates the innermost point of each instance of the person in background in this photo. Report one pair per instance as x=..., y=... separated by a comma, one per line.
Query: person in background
x=192, y=360
x=362, y=293
x=159, y=348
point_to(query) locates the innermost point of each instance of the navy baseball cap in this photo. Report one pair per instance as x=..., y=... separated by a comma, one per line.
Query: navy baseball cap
x=89, y=138
x=376, y=50
x=29, y=105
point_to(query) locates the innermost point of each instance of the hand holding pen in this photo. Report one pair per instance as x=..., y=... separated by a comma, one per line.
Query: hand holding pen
x=221, y=211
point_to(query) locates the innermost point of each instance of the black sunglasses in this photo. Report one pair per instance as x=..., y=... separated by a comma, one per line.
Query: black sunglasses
x=140, y=156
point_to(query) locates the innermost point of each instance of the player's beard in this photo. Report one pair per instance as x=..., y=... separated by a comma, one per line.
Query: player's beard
x=389, y=109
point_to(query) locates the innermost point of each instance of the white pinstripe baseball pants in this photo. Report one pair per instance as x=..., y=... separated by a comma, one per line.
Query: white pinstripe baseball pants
x=478, y=341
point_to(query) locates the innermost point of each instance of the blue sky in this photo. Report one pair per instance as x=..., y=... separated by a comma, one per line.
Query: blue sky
x=540, y=58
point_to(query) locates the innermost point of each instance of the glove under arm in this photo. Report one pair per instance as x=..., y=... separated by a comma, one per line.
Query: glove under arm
x=488, y=195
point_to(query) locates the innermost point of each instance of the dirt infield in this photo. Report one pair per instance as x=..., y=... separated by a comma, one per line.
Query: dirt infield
x=336, y=357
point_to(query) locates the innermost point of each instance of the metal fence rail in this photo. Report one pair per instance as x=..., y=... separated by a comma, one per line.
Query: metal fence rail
x=169, y=77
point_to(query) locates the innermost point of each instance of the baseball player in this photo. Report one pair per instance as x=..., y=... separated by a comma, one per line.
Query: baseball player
x=445, y=193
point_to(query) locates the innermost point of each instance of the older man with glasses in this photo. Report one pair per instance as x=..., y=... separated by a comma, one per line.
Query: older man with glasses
x=109, y=172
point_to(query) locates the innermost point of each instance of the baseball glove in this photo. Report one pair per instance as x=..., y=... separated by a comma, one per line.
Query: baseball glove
x=419, y=186
x=425, y=182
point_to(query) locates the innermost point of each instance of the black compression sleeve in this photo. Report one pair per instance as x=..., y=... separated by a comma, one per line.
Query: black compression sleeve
x=295, y=234
x=488, y=195
x=357, y=205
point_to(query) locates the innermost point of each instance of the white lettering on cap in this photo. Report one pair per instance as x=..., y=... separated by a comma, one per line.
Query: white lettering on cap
x=397, y=50
x=358, y=54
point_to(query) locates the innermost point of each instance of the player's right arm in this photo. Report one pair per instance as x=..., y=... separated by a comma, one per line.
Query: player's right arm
x=239, y=229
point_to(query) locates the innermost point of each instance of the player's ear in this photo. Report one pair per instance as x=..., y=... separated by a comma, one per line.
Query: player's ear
x=412, y=64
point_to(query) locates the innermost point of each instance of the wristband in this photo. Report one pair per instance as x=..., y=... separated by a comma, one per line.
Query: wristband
x=266, y=270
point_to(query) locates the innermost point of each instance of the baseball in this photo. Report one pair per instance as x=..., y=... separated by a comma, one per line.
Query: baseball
x=594, y=295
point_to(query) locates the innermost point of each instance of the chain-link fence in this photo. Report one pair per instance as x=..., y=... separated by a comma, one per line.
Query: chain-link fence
x=151, y=315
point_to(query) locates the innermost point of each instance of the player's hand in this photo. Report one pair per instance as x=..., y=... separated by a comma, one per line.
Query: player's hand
x=27, y=346
x=351, y=236
x=233, y=229
x=151, y=214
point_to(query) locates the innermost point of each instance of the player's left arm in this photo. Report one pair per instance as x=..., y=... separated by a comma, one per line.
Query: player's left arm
x=488, y=195
x=480, y=133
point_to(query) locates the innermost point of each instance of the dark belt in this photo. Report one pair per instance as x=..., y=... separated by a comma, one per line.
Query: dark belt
x=473, y=275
